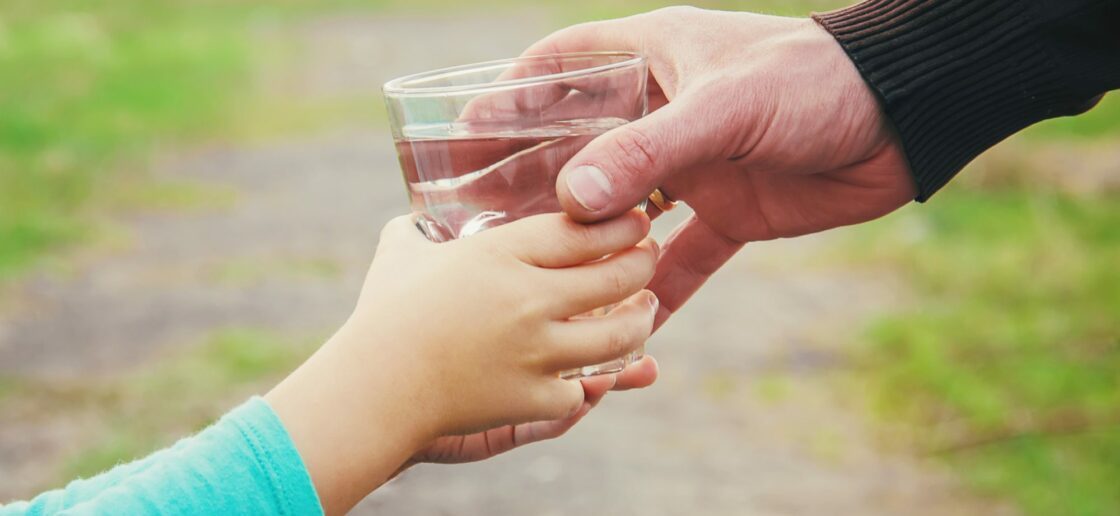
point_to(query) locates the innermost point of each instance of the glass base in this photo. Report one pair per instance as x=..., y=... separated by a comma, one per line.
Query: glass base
x=614, y=366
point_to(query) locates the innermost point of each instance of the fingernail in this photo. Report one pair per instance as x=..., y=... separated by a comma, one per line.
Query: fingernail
x=656, y=247
x=590, y=186
x=654, y=303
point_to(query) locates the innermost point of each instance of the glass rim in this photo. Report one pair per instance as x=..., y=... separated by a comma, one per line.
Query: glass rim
x=396, y=88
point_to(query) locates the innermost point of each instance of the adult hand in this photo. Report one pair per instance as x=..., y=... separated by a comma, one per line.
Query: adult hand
x=761, y=124
x=455, y=449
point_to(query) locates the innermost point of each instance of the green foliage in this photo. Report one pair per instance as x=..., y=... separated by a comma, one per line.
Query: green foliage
x=87, y=87
x=1008, y=364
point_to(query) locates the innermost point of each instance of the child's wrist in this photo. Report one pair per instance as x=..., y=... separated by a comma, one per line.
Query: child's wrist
x=374, y=375
x=348, y=422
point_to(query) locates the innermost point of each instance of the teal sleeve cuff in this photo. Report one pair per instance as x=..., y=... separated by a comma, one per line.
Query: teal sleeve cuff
x=245, y=464
x=277, y=456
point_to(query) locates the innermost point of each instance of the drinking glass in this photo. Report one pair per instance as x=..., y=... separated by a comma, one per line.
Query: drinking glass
x=482, y=144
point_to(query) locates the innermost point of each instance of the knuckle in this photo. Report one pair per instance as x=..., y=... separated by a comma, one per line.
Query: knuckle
x=393, y=234
x=541, y=401
x=643, y=266
x=522, y=312
x=643, y=326
x=555, y=401
x=569, y=38
x=675, y=11
x=533, y=361
x=573, y=32
x=634, y=225
x=618, y=281
x=388, y=226
x=574, y=402
x=393, y=226
x=620, y=341
x=527, y=310
x=580, y=237
x=531, y=309
x=555, y=42
x=572, y=399
x=648, y=268
x=495, y=249
x=635, y=151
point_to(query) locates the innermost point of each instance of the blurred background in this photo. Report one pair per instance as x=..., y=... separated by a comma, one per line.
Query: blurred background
x=190, y=191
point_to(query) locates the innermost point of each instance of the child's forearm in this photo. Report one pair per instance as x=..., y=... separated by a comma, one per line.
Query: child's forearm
x=347, y=415
x=321, y=440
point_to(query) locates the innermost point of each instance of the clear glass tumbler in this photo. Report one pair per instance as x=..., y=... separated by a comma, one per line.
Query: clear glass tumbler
x=482, y=144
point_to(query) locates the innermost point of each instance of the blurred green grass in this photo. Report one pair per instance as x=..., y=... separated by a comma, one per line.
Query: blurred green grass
x=86, y=89
x=1006, y=364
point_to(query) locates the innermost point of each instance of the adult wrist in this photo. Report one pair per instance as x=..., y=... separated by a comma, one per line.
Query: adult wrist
x=954, y=78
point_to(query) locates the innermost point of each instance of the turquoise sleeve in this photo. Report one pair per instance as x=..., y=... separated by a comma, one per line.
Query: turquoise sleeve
x=244, y=464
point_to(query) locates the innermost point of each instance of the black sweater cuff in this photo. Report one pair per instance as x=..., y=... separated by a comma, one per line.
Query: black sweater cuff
x=957, y=77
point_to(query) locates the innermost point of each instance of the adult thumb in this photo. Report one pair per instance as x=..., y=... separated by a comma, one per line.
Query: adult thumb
x=620, y=168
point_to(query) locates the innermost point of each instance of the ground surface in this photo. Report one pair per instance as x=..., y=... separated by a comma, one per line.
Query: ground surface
x=744, y=420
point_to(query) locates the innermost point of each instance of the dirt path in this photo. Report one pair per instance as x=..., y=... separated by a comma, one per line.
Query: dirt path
x=743, y=421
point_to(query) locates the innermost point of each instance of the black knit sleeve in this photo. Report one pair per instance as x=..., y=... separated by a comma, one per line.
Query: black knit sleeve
x=957, y=77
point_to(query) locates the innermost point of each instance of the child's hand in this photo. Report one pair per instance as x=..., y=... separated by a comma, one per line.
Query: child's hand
x=455, y=449
x=452, y=338
x=482, y=324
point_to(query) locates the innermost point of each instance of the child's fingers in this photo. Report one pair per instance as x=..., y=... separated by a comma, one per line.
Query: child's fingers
x=401, y=231
x=639, y=375
x=558, y=399
x=595, y=387
x=578, y=290
x=594, y=340
x=553, y=240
